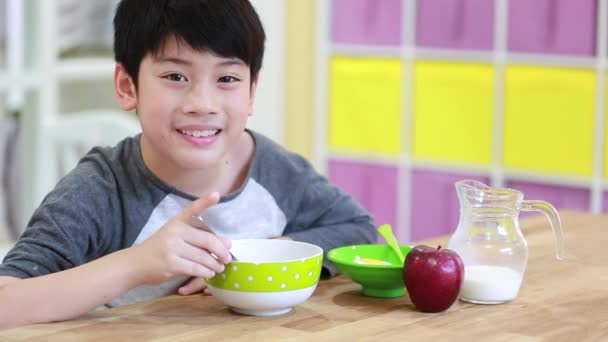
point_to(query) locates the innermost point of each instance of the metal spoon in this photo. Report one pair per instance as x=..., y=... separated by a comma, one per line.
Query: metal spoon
x=199, y=223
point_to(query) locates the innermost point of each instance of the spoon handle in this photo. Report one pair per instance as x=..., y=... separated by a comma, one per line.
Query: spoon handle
x=199, y=223
x=387, y=233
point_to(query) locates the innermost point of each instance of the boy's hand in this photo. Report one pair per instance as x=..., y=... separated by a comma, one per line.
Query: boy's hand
x=179, y=248
x=194, y=285
x=199, y=285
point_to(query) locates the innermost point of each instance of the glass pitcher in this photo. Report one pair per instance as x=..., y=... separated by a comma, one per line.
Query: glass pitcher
x=490, y=242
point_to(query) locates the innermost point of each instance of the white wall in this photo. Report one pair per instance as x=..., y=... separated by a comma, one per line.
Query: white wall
x=268, y=109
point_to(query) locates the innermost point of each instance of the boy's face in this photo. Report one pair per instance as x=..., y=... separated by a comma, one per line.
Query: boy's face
x=193, y=106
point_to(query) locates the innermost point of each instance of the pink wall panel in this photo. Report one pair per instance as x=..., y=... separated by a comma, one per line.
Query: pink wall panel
x=561, y=197
x=457, y=24
x=374, y=186
x=605, y=202
x=369, y=22
x=435, y=207
x=552, y=26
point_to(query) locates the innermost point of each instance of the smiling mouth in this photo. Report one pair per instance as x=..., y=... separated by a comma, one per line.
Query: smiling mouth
x=200, y=134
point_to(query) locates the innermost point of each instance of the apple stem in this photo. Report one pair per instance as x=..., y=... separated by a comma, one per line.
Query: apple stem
x=439, y=247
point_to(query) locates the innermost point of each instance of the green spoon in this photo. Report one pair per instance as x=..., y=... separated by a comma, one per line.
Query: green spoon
x=387, y=233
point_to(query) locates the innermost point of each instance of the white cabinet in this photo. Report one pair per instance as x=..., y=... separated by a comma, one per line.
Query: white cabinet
x=46, y=74
x=2, y=34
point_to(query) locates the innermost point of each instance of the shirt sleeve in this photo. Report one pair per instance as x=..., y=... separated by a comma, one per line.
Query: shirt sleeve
x=328, y=218
x=66, y=229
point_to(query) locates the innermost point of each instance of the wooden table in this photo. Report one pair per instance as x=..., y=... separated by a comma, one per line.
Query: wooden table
x=558, y=301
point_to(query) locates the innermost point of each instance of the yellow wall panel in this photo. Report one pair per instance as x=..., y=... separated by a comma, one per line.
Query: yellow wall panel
x=453, y=109
x=299, y=52
x=549, y=116
x=365, y=105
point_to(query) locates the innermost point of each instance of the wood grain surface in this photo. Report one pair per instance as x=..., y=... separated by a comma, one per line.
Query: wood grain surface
x=559, y=301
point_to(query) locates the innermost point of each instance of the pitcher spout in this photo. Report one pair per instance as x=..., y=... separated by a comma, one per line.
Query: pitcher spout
x=470, y=191
x=486, y=200
x=471, y=186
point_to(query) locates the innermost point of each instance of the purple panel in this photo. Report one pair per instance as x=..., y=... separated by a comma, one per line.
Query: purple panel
x=435, y=207
x=375, y=22
x=561, y=197
x=464, y=24
x=374, y=186
x=552, y=26
x=605, y=205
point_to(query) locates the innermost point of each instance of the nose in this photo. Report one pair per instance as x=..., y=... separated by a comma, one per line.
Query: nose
x=201, y=99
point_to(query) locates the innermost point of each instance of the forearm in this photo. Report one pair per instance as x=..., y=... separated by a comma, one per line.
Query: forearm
x=67, y=294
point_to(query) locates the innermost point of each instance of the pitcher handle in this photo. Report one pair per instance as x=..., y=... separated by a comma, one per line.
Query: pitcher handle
x=556, y=223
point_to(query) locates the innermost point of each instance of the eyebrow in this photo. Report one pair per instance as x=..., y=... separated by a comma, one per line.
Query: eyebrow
x=179, y=61
x=232, y=61
x=173, y=60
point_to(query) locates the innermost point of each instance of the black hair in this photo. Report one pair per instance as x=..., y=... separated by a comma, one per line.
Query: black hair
x=228, y=28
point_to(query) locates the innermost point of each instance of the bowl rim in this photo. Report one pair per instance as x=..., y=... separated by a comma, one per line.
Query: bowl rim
x=319, y=251
x=354, y=264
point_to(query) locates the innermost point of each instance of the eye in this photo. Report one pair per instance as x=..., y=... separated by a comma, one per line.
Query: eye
x=228, y=79
x=176, y=77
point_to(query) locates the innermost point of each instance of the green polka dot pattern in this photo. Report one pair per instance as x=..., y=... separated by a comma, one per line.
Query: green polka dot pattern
x=269, y=276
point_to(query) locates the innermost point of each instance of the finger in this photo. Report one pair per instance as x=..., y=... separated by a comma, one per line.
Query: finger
x=195, y=285
x=191, y=268
x=226, y=241
x=202, y=257
x=209, y=242
x=199, y=206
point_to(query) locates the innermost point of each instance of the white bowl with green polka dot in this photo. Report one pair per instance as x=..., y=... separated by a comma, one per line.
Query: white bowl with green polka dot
x=270, y=277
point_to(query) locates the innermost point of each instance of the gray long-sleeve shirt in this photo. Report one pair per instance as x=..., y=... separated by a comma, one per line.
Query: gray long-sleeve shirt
x=112, y=201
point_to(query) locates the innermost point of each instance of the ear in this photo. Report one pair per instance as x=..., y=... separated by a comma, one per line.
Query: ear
x=125, y=88
x=252, y=92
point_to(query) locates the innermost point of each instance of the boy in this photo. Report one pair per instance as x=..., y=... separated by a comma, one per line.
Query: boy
x=118, y=229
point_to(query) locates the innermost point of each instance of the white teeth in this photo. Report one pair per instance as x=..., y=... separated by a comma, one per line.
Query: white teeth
x=198, y=134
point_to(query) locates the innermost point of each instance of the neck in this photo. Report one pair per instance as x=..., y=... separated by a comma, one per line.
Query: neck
x=225, y=176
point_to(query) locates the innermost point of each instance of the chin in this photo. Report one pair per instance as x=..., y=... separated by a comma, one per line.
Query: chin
x=190, y=163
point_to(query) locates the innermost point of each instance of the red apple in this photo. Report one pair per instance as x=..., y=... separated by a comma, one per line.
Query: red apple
x=433, y=277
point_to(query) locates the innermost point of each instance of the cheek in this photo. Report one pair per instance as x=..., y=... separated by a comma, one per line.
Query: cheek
x=155, y=117
x=159, y=101
x=155, y=96
x=239, y=115
x=158, y=106
x=241, y=105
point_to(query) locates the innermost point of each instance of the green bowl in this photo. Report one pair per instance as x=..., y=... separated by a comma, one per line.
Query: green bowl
x=375, y=267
